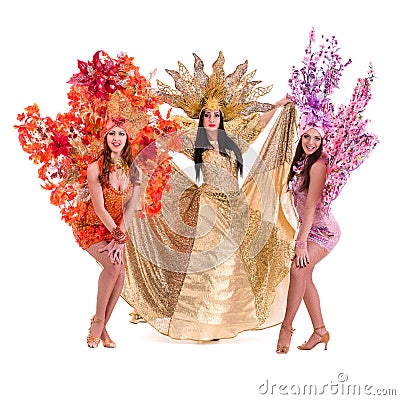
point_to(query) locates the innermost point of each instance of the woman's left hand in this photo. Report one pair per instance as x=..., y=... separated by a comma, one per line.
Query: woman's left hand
x=115, y=252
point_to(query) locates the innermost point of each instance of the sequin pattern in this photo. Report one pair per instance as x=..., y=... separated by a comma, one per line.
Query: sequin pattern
x=325, y=230
x=89, y=229
x=215, y=261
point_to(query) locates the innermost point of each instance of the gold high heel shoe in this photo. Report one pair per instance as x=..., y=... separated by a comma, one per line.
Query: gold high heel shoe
x=135, y=317
x=107, y=341
x=323, y=339
x=284, y=348
x=91, y=340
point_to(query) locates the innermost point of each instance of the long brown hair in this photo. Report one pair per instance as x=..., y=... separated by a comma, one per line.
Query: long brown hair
x=105, y=166
x=298, y=158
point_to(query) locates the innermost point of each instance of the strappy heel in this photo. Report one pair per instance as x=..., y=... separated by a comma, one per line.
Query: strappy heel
x=323, y=339
x=284, y=348
x=135, y=317
x=91, y=340
x=107, y=341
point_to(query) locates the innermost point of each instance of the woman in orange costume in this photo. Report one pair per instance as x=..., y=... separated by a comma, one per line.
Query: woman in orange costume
x=85, y=159
x=113, y=188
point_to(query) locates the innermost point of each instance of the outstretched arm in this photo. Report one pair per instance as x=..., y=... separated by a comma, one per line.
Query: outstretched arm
x=251, y=127
x=317, y=183
x=267, y=116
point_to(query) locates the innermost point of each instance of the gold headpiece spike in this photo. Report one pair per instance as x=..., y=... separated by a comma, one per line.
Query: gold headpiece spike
x=186, y=94
x=247, y=90
x=152, y=74
x=234, y=95
x=242, y=90
x=199, y=73
x=259, y=92
x=180, y=82
x=217, y=77
x=233, y=82
x=235, y=77
x=215, y=93
x=248, y=80
x=189, y=81
x=169, y=95
x=184, y=73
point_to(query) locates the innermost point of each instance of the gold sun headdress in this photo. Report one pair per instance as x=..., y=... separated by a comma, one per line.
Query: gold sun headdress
x=235, y=95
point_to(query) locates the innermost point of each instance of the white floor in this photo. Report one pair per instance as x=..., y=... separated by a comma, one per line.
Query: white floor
x=44, y=354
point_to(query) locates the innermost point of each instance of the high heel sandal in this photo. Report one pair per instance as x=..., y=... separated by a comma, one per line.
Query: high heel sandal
x=284, y=348
x=107, y=341
x=91, y=340
x=323, y=339
x=136, y=318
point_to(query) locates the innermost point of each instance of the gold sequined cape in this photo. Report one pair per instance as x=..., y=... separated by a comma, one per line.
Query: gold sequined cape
x=215, y=261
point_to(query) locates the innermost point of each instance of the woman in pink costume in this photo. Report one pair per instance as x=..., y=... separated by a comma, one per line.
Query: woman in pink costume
x=317, y=236
x=331, y=145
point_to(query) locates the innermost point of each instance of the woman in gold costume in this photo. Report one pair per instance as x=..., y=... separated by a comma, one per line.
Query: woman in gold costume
x=214, y=262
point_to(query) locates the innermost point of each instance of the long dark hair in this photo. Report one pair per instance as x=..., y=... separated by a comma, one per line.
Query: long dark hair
x=105, y=167
x=298, y=158
x=224, y=143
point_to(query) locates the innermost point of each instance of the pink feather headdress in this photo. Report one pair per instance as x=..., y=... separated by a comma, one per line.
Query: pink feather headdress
x=313, y=83
x=346, y=139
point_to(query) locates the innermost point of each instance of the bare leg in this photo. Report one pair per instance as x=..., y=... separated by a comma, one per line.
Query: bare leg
x=297, y=287
x=312, y=302
x=300, y=278
x=311, y=298
x=110, y=306
x=115, y=295
x=106, y=286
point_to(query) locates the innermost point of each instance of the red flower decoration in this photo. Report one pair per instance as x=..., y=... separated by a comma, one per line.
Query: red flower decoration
x=100, y=75
x=60, y=145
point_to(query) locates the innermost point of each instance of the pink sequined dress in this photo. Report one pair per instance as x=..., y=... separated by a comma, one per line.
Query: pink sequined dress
x=325, y=230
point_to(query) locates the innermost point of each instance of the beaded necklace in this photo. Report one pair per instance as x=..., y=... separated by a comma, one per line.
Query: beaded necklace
x=120, y=166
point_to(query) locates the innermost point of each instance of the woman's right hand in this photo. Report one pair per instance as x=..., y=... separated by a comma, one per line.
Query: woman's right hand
x=301, y=257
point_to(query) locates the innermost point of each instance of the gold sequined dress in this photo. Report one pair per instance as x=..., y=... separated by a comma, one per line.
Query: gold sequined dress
x=215, y=261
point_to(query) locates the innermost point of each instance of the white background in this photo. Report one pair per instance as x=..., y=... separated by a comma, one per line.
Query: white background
x=48, y=284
